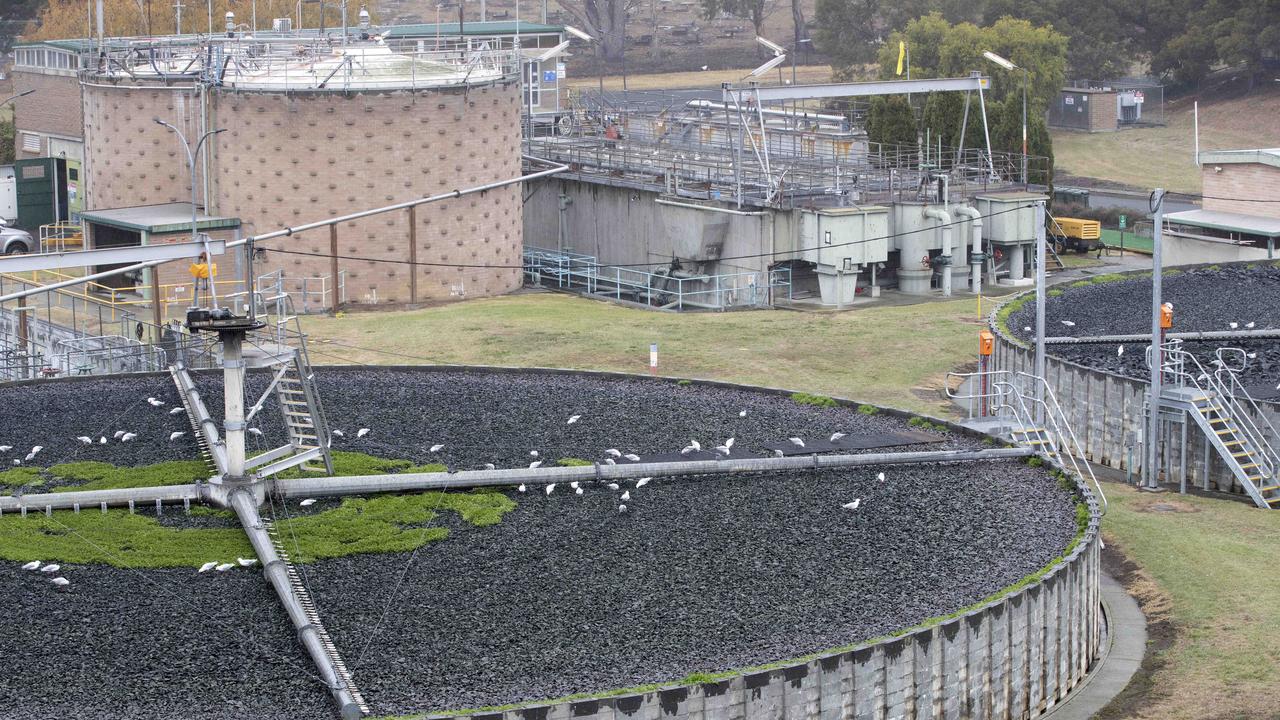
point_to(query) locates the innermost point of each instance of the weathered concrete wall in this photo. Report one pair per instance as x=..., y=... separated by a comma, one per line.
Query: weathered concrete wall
x=1106, y=412
x=1189, y=251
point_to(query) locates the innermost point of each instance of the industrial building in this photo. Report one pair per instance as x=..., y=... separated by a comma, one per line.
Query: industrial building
x=741, y=198
x=1239, y=218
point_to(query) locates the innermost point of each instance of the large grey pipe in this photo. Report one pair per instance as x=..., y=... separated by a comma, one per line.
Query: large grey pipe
x=323, y=486
x=246, y=508
x=362, y=484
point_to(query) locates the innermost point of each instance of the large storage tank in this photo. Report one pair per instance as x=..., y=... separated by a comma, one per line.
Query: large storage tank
x=327, y=133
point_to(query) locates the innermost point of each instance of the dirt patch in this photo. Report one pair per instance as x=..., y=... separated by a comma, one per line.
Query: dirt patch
x=1163, y=505
x=1142, y=692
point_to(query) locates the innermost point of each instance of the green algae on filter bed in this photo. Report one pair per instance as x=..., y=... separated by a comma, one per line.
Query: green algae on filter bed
x=386, y=523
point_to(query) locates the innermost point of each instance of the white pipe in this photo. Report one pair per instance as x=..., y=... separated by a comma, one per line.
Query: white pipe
x=708, y=105
x=727, y=211
x=944, y=220
x=975, y=265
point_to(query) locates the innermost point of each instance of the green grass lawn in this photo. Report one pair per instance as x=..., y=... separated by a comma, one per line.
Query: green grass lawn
x=1214, y=562
x=892, y=355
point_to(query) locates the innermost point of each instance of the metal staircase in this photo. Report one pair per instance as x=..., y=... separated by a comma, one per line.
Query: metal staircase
x=1023, y=408
x=1225, y=412
x=283, y=346
x=303, y=596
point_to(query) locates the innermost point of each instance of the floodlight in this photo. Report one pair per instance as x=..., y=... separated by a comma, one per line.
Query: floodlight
x=1007, y=65
x=773, y=46
x=775, y=62
x=578, y=33
x=553, y=52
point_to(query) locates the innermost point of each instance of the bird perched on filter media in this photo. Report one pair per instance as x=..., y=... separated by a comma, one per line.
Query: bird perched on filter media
x=118, y=435
x=1068, y=323
x=208, y=566
x=613, y=486
x=33, y=565
x=574, y=484
x=50, y=569
x=308, y=502
x=534, y=464
x=247, y=562
x=626, y=495
x=742, y=413
x=577, y=491
x=573, y=419
x=613, y=452
x=175, y=435
x=622, y=508
x=836, y=436
x=521, y=488
x=154, y=402
x=128, y=436
x=533, y=453
x=796, y=441
x=85, y=440
x=632, y=457
x=224, y=567
x=177, y=410
x=437, y=447
x=337, y=432
x=852, y=505
x=60, y=583
x=550, y=488
x=362, y=432
x=255, y=432
x=642, y=482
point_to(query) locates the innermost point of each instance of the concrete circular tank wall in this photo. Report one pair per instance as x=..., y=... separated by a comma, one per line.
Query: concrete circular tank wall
x=292, y=158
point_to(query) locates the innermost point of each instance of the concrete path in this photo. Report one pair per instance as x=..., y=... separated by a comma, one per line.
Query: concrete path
x=1126, y=643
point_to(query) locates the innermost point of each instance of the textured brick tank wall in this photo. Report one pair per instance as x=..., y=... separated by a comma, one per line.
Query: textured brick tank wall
x=291, y=159
x=129, y=159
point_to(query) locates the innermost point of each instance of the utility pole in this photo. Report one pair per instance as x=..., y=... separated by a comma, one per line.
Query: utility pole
x=1041, y=252
x=191, y=165
x=1149, y=469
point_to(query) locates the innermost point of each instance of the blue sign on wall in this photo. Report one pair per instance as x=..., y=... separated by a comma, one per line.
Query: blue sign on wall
x=548, y=76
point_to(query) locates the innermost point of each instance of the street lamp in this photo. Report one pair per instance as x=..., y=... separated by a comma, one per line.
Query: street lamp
x=1007, y=65
x=191, y=164
x=25, y=93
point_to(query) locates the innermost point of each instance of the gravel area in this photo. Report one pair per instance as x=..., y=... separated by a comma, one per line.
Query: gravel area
x=566, y=595
x=1203, y=300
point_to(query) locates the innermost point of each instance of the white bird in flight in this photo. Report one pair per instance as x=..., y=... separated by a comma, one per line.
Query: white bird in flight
x=128, y=436
x=247, y=562
x=85, y=439
x=308, y=502
x=208, y=566
x=33, y=565
x=626, y=496
x=642, y=482
x=177, y=410
x=852, y=505
x=154, y=402
x=534, y=464
x=796, y=441
x=550, y=488
x=51, y=568
x=573, y=419
x=437, y=447
x=362, y=432
x=175, y=435
x=224, y=567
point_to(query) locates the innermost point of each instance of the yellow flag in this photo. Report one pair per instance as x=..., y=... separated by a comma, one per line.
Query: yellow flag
x=902, y=51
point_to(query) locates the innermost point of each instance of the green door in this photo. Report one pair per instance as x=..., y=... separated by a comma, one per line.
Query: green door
x=37, y=192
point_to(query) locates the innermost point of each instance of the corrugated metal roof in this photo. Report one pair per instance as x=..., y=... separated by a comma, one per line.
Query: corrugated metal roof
x=1230, y=222
x=165, y=218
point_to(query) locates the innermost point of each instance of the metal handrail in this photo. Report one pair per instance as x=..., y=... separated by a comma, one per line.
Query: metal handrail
x=1175, y=361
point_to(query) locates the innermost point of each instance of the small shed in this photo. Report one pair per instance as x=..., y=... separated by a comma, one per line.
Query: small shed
x=1087, y=109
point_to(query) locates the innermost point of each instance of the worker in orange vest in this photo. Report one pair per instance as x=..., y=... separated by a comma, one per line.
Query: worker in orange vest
x=204, y=273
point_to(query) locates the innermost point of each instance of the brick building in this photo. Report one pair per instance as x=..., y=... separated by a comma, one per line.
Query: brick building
x=1240, y=214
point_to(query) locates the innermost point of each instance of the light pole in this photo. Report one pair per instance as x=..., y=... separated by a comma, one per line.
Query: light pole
x=1007, y=65
x=191, y=164
x=8, y=100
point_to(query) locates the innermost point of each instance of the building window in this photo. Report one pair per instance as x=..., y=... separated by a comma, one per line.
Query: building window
x=30, y=142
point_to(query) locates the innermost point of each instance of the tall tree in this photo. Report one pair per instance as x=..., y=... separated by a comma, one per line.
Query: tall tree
x=891, y=121
x=606, y=20
x=754, y=10
x=1099, y=42
x=849, y=30
x=14, y=15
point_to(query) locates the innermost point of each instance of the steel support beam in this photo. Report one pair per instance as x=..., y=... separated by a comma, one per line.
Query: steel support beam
x=778, y=93
x=358, y=485
x=94, y=499
x=202, y=420
x=245, y=505
x=107, y=256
